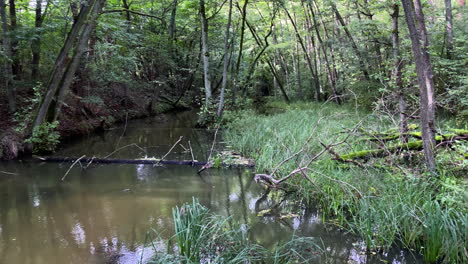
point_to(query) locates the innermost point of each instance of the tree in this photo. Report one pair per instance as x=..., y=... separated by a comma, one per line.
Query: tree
x=205, y=52
x=449, y=27
x=7, y=67
x=36, y=42
x=419, y=43
x=397, y=74
x=66, y=64
x=226, y=62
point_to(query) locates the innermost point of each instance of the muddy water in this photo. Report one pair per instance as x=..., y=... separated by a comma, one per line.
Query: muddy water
x=103, y=213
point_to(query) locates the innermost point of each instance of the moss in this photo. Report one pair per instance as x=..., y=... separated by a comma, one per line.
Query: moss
x=413, y=145
x=459, y=131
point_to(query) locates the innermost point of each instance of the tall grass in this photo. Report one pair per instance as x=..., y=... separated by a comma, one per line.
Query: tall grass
x=202, y=237
x=380, y=203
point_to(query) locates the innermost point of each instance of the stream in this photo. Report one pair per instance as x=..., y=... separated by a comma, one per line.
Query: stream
x=103, y=213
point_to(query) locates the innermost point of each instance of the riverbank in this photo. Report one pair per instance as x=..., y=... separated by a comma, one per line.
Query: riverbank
x=386, y=201
x=81, y=115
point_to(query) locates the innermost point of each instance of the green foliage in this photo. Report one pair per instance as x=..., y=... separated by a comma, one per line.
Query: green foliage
x=44, y=137
x=380, y=203
x=202, y=237
x=24, y=116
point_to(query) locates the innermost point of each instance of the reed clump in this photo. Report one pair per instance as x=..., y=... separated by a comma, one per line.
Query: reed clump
x=387, y=202
x=203, y=237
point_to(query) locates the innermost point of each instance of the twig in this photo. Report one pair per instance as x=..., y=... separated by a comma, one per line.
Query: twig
x=213, y=144
x=170, y=150
x=10, y=173
x=74, y=163
x=89, y=163
x=125, y=130
x=335, y=180
x=191, y=152
x=208, y=162
x=133, y=144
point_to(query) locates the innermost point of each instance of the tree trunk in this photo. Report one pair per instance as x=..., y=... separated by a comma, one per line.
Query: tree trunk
x=205, y=52
x=45, y=111
x=353, y=43
x=16, y=66
x=241, y=47
x=172, y=23
x=419, y=44
x=330, y=72
x=397, y=75
x=7, y=67
x=315, y=83
x=226, y=62
x=80, y=48
x=36, y=42
x=449, y=27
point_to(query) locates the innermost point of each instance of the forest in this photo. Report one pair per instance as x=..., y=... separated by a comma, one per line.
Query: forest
x=355, y=108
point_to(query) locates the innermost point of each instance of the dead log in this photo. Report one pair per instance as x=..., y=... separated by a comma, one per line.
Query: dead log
x=442, y=140
x=135, y=161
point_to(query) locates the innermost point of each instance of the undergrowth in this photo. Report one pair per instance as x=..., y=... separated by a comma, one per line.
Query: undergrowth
x=387, y=202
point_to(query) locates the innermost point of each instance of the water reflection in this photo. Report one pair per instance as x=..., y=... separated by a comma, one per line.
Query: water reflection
x=103, y=213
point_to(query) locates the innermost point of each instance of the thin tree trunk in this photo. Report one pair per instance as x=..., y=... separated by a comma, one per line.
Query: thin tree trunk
x=308, y=59
x=16, y=66
x=172, y=23
x=419, y=45
x=330, y=72
x=226, y=62
x=7, y=67
x=205, y=52
x=397, y=75
x=241, y=47
x=449, y=27
x=36, y=42
x=353, y=43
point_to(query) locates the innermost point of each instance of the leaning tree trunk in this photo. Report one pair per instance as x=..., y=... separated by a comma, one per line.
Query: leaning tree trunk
x=419, y=44
x=7, y=67
x=353, y=42
x=205, y=52
x=80, y=48
x=397, y=75
x=62, y=63
x=226, y=62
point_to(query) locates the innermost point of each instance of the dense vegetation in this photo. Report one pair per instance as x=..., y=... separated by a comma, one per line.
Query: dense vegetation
x=378, y=139
x=386, y=200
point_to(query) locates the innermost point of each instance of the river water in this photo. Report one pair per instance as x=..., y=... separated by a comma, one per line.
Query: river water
x=103, y=213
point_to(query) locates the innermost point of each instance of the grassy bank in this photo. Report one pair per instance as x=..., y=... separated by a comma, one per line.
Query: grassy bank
x=388, y=201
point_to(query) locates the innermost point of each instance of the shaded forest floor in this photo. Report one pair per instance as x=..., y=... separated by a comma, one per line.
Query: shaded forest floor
x=387, y=199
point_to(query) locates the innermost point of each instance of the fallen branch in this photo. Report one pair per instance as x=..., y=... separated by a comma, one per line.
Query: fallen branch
x=209, y=163
x=170, y=150
x=9, y=173
x=413, y=145
x=136, y=161
x=74, y=163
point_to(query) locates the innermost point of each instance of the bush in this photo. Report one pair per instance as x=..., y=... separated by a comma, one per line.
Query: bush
x=44, y=137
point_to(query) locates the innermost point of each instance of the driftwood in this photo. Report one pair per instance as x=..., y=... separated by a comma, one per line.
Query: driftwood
x=134, y=161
